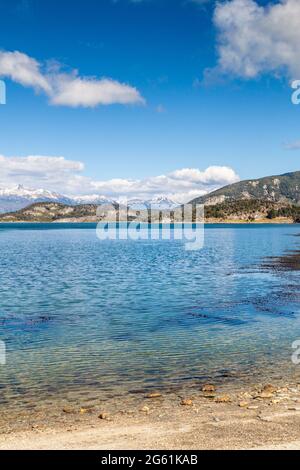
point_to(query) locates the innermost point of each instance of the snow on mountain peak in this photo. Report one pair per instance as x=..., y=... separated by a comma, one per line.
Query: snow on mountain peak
x=21, y=191
x=18, y=197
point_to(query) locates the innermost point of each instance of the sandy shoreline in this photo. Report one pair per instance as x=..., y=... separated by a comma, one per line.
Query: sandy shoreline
x=264, y=418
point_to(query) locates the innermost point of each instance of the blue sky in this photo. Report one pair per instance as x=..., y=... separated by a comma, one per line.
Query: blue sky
x=188, y=105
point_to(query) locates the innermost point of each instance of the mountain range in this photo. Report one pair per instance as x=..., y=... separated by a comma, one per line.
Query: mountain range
x=272, y=197
x=19, y=197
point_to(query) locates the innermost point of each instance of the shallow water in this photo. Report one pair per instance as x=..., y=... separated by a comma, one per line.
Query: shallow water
x=85, y=319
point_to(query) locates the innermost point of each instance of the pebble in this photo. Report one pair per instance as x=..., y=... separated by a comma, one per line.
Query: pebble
x=154, y=395
x=209, y=395
x=187, y=402
x=217, y=420
x=223, y=399
x=243, y=404
x=68, y=410
x=127, y=412
x=264, y=395
x=145, y=409
x=84, y=410
x=269, y=389
x=208, y=388
x=103, y=416
x=264, y=418
x=246, y=395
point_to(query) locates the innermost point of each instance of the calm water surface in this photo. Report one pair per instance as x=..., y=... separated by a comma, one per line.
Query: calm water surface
x=83, y=318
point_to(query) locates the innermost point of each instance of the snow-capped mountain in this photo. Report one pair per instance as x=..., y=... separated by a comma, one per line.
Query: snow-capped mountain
x=18, y=197
x=156, y=203
x=93, y=199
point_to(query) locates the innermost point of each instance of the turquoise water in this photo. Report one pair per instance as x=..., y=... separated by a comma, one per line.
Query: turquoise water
x=87, y=318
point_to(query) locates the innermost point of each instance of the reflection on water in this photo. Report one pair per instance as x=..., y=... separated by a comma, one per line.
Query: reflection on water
x=84, y=319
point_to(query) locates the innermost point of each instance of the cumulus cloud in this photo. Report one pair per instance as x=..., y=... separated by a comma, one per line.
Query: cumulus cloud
x=66, y=89
x=38, y=170
x=66, y=176
x=222, y=174
x=254, y=39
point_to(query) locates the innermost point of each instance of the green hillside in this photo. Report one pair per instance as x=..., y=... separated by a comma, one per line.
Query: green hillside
x=284, y=189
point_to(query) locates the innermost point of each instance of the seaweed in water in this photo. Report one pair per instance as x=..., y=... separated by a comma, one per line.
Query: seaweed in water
x=288, y=262
x=15, y=320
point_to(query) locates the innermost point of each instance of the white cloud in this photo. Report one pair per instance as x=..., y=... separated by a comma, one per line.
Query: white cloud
x=253, y=39
x=292, y=145
x=66, y=89
x=222, y=174
x=66, y=177
x=38, y=171
x=74, y=91
x=39, y=164
x=24, y=70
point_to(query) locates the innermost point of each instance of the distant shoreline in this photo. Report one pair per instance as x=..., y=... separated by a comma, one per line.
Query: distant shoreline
x=278, y=221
